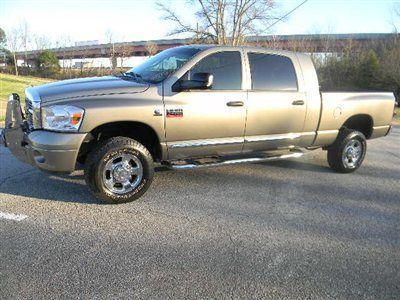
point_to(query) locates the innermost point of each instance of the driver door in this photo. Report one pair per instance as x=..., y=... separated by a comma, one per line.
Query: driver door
x=208, y=122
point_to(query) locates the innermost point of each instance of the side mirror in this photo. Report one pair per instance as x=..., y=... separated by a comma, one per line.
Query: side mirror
x=199, y=81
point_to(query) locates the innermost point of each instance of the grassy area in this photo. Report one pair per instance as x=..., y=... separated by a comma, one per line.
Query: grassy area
x=15, y=84
x=398, y=113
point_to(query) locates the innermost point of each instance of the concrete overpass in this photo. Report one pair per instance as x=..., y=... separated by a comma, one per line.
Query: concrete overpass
x=302, y=43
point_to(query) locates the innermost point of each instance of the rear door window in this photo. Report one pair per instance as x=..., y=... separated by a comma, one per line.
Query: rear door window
x=271, y=72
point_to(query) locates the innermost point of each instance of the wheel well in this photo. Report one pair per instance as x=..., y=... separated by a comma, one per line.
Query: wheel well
x=362, y=123
x=141, y=132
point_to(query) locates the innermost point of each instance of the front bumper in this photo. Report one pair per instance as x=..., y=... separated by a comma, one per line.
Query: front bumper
x=50, y=151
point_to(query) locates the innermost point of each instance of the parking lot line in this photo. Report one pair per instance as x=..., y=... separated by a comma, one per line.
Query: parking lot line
x=14, y=217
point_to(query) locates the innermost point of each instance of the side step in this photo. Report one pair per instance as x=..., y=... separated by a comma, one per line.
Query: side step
x=195, y=165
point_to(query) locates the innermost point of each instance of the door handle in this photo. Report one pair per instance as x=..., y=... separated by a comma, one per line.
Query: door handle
x=298, y=102
x=235, y=103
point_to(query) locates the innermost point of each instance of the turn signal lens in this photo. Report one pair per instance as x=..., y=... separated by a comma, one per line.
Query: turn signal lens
x=76, y=118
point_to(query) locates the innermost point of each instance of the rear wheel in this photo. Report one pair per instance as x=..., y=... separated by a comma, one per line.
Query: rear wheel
x=347, y=153
x=119, y=170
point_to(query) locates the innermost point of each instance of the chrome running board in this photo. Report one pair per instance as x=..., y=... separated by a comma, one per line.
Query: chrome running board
x=233, y=161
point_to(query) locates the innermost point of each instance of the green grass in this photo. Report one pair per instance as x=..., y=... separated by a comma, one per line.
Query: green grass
x=398, y=113
x=15, y=84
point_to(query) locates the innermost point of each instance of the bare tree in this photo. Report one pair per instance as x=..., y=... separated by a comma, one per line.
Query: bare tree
x=396, y=18
x=41, y=42
x=112, y=53
x=151, y=48
x=62, y=42
x=224, y=22
x=124, y=51
x=24, y=32
x=14, y=44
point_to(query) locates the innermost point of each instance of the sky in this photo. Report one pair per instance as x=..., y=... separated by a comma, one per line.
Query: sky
x=134, y=20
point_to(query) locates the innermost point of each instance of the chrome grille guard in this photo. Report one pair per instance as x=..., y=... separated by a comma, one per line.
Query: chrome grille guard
x=32, y=108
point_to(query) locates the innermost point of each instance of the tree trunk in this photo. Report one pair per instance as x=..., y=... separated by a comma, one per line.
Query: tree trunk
x=15, y=64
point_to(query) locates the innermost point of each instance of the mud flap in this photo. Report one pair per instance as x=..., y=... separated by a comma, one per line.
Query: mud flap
x=15, y=130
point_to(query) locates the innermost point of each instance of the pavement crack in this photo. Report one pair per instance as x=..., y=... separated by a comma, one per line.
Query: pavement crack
x=184, y=217
x=395, y=155
x=4, y=180
x=235, y=257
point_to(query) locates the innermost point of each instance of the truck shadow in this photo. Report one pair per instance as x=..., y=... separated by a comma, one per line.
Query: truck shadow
x=38, y=185
x=298, y=165
x=72, y=188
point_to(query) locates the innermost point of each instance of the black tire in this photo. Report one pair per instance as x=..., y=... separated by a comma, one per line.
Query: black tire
x=338, y=158
x=104, y=153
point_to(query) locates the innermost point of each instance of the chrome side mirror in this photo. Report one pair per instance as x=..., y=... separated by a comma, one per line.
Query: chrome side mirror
x=199, y=81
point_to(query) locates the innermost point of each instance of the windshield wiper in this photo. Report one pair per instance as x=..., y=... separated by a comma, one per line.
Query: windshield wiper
x=137, y=76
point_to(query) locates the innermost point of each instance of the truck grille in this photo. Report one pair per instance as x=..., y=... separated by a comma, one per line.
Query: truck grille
x=32, y=108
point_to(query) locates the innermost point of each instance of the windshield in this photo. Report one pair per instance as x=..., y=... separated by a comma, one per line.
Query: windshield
x=162, y=65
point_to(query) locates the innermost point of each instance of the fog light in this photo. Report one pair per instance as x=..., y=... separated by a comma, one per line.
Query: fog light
x=39, y=158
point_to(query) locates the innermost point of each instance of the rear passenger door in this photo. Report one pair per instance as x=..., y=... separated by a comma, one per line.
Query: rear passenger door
x=276, y=109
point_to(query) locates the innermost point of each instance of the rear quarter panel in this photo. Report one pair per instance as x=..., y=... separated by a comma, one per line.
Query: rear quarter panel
x=338, y=107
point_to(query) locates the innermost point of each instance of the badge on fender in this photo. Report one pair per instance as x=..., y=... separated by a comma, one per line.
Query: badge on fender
x=175, y=113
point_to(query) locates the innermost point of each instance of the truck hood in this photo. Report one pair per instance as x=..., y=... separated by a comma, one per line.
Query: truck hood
x=85, y=87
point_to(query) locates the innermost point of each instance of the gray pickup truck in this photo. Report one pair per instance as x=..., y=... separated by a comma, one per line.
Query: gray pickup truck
x=190, y=107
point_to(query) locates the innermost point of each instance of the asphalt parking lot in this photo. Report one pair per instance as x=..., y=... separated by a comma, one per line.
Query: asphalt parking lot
x=288, y=229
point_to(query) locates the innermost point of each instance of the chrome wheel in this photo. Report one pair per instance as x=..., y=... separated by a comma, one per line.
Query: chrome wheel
x=122, y=173
x=352, y=153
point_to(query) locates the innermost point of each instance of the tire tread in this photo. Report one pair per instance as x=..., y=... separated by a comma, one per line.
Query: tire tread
x=335, y=150
x=90, y=167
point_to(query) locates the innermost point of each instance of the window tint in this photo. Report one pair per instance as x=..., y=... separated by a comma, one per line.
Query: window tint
x=272, y=72
x=226, y=68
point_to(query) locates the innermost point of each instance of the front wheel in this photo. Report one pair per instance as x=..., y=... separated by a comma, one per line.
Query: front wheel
x=347, y=153
x=119, y=170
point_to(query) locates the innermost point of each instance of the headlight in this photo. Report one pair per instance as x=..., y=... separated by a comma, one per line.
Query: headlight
x=62, y=117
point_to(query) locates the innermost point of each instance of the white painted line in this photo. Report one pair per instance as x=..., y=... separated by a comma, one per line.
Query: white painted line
x=15, y=217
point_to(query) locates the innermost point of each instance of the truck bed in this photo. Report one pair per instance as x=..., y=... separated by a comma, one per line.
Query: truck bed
x=339, y=107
